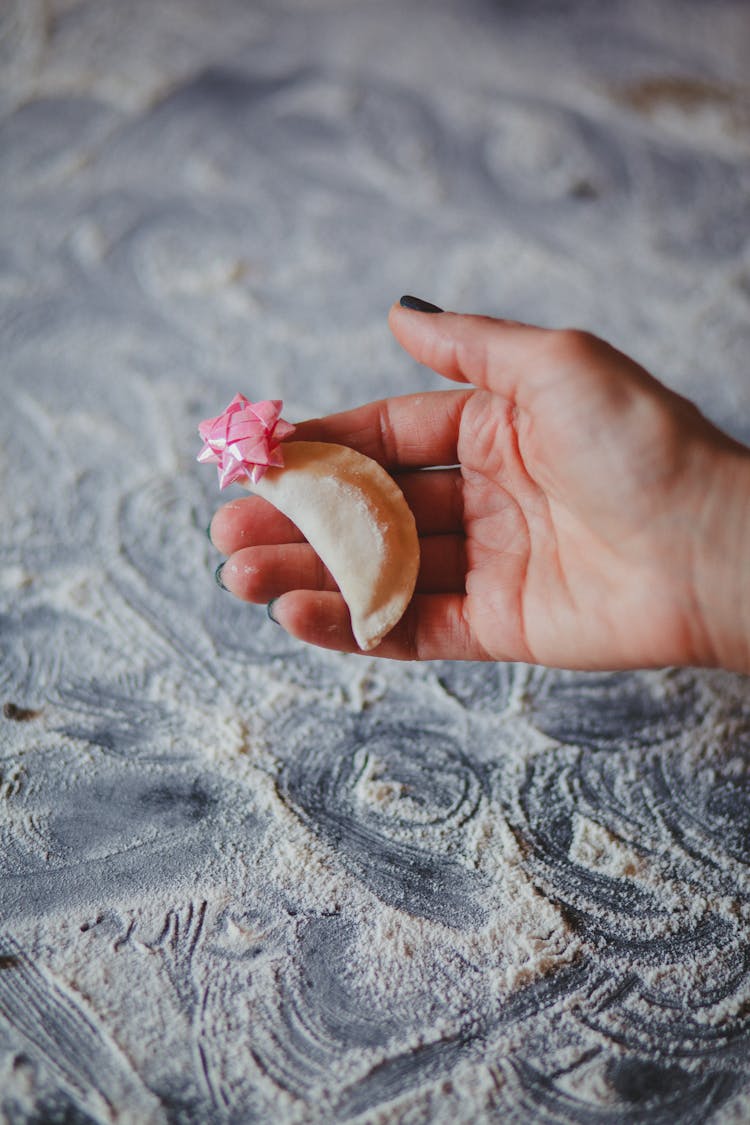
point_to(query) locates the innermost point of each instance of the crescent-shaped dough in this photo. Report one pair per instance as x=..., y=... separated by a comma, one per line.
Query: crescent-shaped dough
x=356, y=518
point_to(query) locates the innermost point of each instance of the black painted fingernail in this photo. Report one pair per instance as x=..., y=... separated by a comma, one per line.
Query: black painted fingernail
x=208, y=533
x=269, y=610
x=418, y=305
x=217, y=576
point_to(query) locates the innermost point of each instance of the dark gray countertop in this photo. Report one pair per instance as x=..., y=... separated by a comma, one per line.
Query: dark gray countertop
x=243, y=880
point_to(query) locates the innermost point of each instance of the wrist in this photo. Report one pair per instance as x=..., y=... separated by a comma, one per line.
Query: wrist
x=722, y=562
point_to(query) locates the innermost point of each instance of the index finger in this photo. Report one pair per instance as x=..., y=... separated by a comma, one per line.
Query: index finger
x=410, y=431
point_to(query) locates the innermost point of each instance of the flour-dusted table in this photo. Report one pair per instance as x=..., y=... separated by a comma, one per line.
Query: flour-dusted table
x=243, y=880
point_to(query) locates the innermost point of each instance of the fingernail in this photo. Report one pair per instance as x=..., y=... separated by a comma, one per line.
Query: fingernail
x=217, y=576
x=269, y=610
x=208, y=534
x=418, y=305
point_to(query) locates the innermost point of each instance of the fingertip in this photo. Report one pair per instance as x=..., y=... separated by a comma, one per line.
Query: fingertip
x=225, y=527
x=394, y=314
x=225, y=577
x=488, y=352
x=427, y=338
x=249, y=521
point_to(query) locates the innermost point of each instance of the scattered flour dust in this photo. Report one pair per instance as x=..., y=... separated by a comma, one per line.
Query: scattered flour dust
x=595, y=847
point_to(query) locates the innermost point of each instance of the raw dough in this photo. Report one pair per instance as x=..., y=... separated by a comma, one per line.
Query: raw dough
x=356, y=518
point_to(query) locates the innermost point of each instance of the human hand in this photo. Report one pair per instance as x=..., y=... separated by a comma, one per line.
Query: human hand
x=582, y=514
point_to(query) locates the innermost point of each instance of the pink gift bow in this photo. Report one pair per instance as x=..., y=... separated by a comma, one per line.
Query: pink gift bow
x=244, y=439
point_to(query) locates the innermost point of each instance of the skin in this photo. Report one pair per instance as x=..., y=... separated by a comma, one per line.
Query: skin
x=584, y=515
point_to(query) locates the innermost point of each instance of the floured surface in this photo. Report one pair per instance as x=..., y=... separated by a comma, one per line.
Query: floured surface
x=243, y=880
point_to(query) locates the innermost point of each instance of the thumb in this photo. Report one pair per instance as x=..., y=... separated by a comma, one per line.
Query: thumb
x=492, y=354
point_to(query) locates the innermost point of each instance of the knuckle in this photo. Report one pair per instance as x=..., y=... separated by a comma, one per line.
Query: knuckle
x=385, y=435
x=575, y=346
x=411, y=633
x=471, y=361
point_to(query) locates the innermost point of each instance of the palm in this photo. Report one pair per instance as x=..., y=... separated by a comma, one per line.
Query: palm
x=567, y=544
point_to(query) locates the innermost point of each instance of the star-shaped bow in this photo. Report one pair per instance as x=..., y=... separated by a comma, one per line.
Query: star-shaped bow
x=243, y=441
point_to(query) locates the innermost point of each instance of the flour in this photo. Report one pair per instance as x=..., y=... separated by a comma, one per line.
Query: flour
x=596, y=848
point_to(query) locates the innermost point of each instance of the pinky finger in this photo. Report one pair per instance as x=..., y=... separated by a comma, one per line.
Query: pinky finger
x=433, y=628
